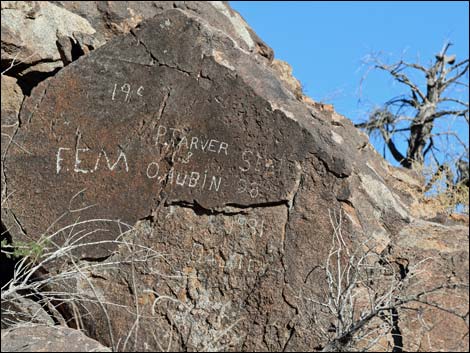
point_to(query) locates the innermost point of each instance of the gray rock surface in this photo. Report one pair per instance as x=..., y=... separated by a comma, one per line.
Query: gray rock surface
x=30, y=30
x=442, y=254
x=12, y=99
x=45, y=35
x=48, y=339
x=18, y=310
x=207, y=188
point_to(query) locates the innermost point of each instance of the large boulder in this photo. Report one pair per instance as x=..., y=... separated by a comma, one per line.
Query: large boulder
x=193, y=194
x=40, y=37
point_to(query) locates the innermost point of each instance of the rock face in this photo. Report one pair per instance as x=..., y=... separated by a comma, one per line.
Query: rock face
x=199, y=192
x=30, y=30
x=12, y=98
x=439, y=257
x=46, y=35
x=48, y=339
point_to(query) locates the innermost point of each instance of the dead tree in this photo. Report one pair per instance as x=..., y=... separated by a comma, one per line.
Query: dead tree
x=425, y=104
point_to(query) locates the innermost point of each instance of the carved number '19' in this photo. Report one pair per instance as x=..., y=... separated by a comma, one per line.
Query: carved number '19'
x=125, y=92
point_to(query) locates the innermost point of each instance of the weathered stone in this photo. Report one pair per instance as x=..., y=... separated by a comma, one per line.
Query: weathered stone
x=209, y=188
x=48, y=339
x=117, y=17
x=54, y=33
x=30, y=30
x=146, y=136
x=12, y=98
x=284, y=70
x=18, y=310
x=433, y=255
x=184, y=119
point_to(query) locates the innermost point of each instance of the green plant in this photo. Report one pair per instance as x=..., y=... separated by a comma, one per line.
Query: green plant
x=19, y=249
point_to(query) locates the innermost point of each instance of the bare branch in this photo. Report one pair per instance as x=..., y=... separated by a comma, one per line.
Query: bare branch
x=425, y=105
x=399, y=157
x=351, y=273
x=447, y=112
x=14, y=62
x=456, y=66
x=457, y=76
x=453, y=100
x=414, y=66
x=395, y=72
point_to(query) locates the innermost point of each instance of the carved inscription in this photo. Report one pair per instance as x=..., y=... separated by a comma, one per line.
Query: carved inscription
x=139, y=135
x=124, y=92
x=243, y=228
x=182, y=178
x=186, y=144
x=177, y=139
x=102, y=159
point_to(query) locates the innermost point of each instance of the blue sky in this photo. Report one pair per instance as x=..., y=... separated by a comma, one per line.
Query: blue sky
x=326, y=43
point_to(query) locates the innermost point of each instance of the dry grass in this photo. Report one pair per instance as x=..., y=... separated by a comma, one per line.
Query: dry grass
x=365, y=294
x=442, y=195
x=31, y=281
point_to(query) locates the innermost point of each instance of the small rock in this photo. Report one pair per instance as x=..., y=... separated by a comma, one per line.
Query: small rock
x=48, y=339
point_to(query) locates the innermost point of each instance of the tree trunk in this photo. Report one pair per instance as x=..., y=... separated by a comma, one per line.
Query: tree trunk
x=420, y=134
